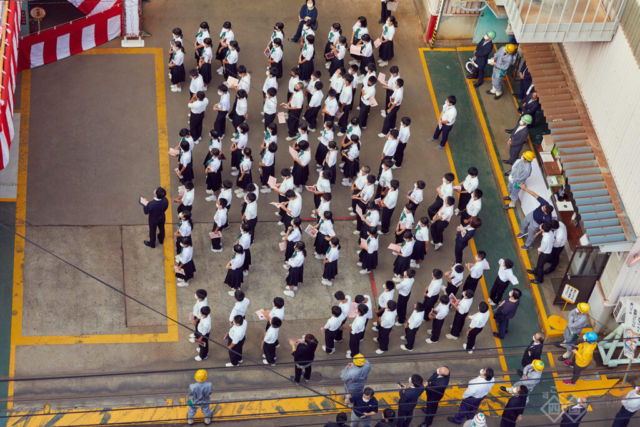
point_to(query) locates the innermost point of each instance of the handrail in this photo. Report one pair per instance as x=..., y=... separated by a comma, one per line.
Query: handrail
x=4, y=43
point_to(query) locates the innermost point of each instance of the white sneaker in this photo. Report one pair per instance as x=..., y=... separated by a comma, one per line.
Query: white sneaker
x=348, y=354
x=311, y=130
x=341, y=165
x=346, y=184
x=176, y=89
x=290, y=138
x=192, y=340
x=183, y=284
x=405, y=348
x=399, y=324
x=199, y=359
x=245, y=273
x=327, y=66
x=383, y=64
x=428, y=340
x=451, y=337
x=313, y=215
x=208, y=191
x=277, y=213
x=177, y=257
x=232, y=293
x=359, y=264
x=465, y=347
x=356, y=232
x=354, y=62
x=397, y=279
x=282, y=233
x=318, y=256
x=286, y=267
x=266, y=190
x=340, y=134
x=234, y=173
x=382, y=135
x=230, y=365
x=395, y=167
x=490, y=301
x=210, y=198
x=280, y=222
x=383, y=113
x=289, y=294
x=437, y=246
x=374, y=329
x=350, y=208
x=378, y=351
x=358, y=108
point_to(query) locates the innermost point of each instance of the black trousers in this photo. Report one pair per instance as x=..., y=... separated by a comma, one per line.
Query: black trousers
x=402, y=307
x=458, y=324
x=410, y=335
x=429, y=303
x=383, y=337
x=538, y=272
x=312, y=116
x=269, y=351
x=458, y=252
x=329, y=340
x=463, y=200
x=435, y=207
x=435, y=329
x=152, y=232
x=354, y=342
x=384, y=13
x=204, y=349
x=445, y=134
x=437, y=230
x=386, y=219
x=195, y=125
x=399, y=156
x=623, y=418
x=497, y=290
x=555, y=259
x=471, y=338
x=481, y=62
x=514, y=153
x=298, y=373
x=452, y=289
x=338, y=336
x=233, y=357
x=432, y=408
x=293, y=122
x=471, y=283
x=364, y=114
x=268, y=119
x=390, y=120
x=220, y=125
x=344, y=119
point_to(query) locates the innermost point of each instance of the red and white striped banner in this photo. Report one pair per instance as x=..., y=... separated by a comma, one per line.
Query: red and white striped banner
x=8, y=79
x=91, y=7
x=69, y=39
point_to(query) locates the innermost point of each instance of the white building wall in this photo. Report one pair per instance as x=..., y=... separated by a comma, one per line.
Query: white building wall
x=609, y=80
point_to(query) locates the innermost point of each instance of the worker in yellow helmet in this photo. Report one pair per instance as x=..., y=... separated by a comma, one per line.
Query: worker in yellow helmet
x=576, y=322
x=503, y=59
x=531, y=375
x=199, y=397
x=518, y=174
x=355, y=375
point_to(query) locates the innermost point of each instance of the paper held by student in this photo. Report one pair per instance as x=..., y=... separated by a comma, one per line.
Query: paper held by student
x=363, y=242
x=457, y=187
x=330, y=55
x=377, y=43
x=293, y=152
x=281, y=118
x=372, y=102
x=178, y=269
x=354, y=49
x=382, y=79
x=276, y=204
x=232, y=81
x=283, y=246
x=358, y=210
x=339, y=114
x=267, y=52
x=260, y=315
x=272, y=182
x=394, y=247
x=453, y=299
x=310, y=188
x=177, y=171
x=173, y=152
x=215, y=235
x=143, y=201
x=353, y=310
x=311, y=231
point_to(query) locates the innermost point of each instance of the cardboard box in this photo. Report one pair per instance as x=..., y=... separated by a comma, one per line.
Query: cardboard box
x=547, y=143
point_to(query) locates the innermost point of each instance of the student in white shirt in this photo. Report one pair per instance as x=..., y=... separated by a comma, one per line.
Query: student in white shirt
x=201, y=301
x=432, y=292
x=281, y=189
x=185, y=164
x=412, y=325
x=421, y=234
x=250, y=215
x=275, y=56
x=390, y=87
x=226, y=193
x=389, y=199
x=445, y=122
x=366, y=50
x=362, y=198
x=384, y=325
x=454, y=279
x=268, y=166
x=476, y=271
x=244, y=240
x=478, y=320
x=240, y=306
x=438, y=315
x=295, y=267
x=185, y=263
x=403, y=259
x=314, y=105
x=234, y=276
x=559, y=241
x=368, y=91
x=213, y=169
x=351, y=154
x=292, y=208
x=230, y=61
x=311, y=86
x=335, y=32
x=196, y=85
x=238, y=144
x=300, y=170
x=201, y=336
x=269, y=342
x=204, y=64
x=185, y=202
x=306, y=58
x=219, y=224
x=185, y=227
x=366, y=300
x=330, y=107
x=330, y=329
x=467, y=187
x=339, y=51
x=294, y=107
x=473, y=207
x=323, y=186
x=239, y=113
x=203, y=33
x=336, y=82
x=403, y=136
x=197, y=107
x=392, y=108
x=416, y=196
x=235, y=341
x=226, y=36
x=176, y=66
x=222, y=108
x=324, y=235
x=244, y=171
x=344, y=302
x=404, y=293
x=385, y=176
x=331, y=262
x=269, y=108
x=292, y=236
x=323, y=147
x=462, y=307
x=441, y=221
x=544, y=252
x=368, y=254
x=357, y=329
x=370, y=218
x=358, y=30
x=405, y=223
x=386, y=48
x=270, y=82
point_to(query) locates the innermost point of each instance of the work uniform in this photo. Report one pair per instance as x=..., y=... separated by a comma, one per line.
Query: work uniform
x=520, y=172
x=502, y=63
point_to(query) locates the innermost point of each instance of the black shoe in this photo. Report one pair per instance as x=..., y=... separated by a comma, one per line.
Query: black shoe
x=534, y=281
x=530, y=271
x=507, y=207
x=548, y=271
x=497, y=335
x=495, y=98
x=557, y=344
x=508, y=130
x=506, y=162
x=504, y=389
x=381, y=21
x=424, y=424
x=506, y=198
x=519, y=371
x=148, y=243
x=478, y=83
x=424, y=409
x=489, y=92
x=514, y=95
x=452, y=420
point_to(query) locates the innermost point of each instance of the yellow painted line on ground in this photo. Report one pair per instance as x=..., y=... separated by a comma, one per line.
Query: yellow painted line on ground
x=466, y=48
x=165, y=180
x=438, y=49
x=432, y=93
x=8, y=199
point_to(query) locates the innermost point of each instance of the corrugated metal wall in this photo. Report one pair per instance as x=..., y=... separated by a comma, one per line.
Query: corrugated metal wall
x=631, y=25
x=609, y=80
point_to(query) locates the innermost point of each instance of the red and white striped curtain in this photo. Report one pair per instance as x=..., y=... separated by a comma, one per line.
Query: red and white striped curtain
x=8, y=80
x=91, y=7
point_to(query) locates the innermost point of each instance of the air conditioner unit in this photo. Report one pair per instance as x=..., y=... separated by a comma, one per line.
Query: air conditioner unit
x=621, y=308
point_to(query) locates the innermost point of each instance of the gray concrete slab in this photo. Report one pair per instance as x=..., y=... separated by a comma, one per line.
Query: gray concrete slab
x=9, y=175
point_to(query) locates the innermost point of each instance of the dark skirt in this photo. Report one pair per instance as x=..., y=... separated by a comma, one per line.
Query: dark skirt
x=220, y=56
x=335, y=65
x=267, y=172
x=230, y=70
x=330, y=270
x=401, y=264
x=291, y=248
x=189, y=270
x=214, y=181
x=278, y=66
x=187, y=175
x=300, y=174
x=369, y=261
x=321, y=153
x=321, y=244
x=247, y=259
x=235, y=158
x=327, y=48
x=419, y=251
x=333, y=172
x=205, y=72
x=386, y=51
x=177, y=74
x=295, y=275
x=351, y=168
x=246, y=180
x=234, y=278
x=306, y=70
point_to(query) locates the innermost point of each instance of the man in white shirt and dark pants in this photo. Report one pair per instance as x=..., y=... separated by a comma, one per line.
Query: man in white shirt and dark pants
x=445, y=122
x=475, y=393
x=559, y=240
x=544, y=253
x=630, y=405
x=462, y=307
x=295, y=110
x=235, y=340
x=478, y=320
x=197, y=115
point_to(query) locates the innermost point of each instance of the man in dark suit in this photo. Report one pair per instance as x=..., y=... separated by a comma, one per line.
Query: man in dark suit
x=533, y=352
x=530, y=104
x=572, y=415
x=341, y=421
x=481, y=55
x=518, y=138
x=464, y=235
x=515, y=407
x=409, y=399
x=156, y=209
x=436, y=386
x=526, y=80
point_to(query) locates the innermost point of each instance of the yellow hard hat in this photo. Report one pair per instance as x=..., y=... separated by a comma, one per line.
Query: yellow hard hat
x=201, y=375
x=529, y=156
x=538, y=365
x=583, y=307
x=359, y=360
x=510, y=48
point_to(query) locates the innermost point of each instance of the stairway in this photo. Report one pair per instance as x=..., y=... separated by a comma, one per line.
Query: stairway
x=584, y=165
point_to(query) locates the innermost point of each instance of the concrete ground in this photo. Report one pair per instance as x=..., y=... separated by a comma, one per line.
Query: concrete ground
x=96, y=142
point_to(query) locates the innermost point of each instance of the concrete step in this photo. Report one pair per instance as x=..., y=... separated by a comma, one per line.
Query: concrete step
x=592, y=201
x=600, y=231
x=582, y=171
x=580, y=165
x=576, y=157
x=594, y=185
